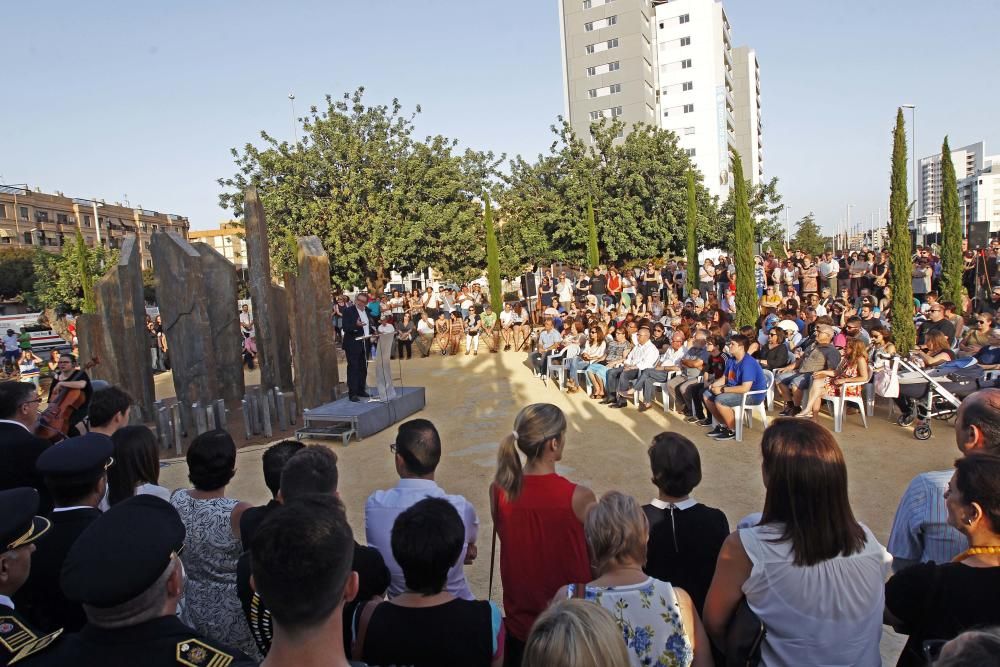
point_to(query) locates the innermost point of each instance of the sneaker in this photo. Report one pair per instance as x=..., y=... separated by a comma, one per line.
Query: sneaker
x=693, y=419
x=717, y=431
x=706, y=422
x=725, y=435
x=790, y=410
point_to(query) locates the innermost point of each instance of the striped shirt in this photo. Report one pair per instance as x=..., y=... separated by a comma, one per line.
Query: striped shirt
x=920, y=530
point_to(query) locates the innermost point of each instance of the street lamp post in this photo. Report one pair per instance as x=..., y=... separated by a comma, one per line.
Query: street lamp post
x=295, y=126
x=916, y=195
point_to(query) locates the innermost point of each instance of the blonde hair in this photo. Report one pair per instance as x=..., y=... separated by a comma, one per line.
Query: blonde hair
x=616, y=530
x=534, y=425
x=575, y=633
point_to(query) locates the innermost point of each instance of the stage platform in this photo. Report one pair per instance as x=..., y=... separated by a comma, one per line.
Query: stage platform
x=365, y=418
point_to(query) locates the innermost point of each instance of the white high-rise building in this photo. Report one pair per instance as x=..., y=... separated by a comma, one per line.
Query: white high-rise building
x=668, y=63
x=978, y=177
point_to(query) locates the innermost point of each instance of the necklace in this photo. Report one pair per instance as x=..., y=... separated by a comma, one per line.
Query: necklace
x=975, y=551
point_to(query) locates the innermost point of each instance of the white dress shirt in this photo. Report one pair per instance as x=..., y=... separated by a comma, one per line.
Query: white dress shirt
x=363, y=318
x=672, y=357
x=643, y=356
x=381, y=510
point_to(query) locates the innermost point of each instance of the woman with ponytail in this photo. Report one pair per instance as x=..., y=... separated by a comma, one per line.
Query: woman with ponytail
x=538, y=517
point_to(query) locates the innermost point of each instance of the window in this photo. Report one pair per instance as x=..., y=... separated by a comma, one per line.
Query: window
x=689, y=130
x=684, y=18
x=595, y=115
x=688, y=108
x=603, y=69
x=5, y=240
x=86, y=221
x=613, y=43
x=149, y=263
x=588, y=26
x=666, y=113
x=612, y=20
x=685, y=41
x=27, y=239
x=586, y=4
x=3, y=210
x=661, y=25
x=41, y=216
x=613, y=66
x=606, y=90
x=615, y=88
x=53, y=242
x=685, y=63
x=602, y=23
x=24, y=213
x=689, y=152
x=616, y=111
x=688, y=85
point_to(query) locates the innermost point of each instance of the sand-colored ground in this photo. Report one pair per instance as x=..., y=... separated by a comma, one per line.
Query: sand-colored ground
x=473, y=400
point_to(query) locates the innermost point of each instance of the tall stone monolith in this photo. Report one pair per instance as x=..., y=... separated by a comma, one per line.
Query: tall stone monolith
x=121, y=340
x=270, y=308
x=183, y=302
x=221, y=292
x=313, y=343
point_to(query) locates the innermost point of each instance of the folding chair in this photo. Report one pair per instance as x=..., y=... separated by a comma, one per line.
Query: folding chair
x=744, y=411
x=839, y=405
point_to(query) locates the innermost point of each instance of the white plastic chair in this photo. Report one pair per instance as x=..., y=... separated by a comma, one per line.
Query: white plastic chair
x=662, y=386
x=557, y=364
x=744, y=411
x=839, y=405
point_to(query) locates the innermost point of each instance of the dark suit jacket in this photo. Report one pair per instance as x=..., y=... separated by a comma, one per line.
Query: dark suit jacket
x=351, y=333
x=41, y=599
x=19, y=450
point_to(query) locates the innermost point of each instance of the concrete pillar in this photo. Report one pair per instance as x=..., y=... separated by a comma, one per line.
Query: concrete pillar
x=270, y=310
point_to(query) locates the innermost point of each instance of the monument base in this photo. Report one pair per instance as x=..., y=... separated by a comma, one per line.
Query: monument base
x=366, y=418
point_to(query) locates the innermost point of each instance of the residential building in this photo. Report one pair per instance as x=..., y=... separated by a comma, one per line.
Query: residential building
x=228, y=239
x=979, y=195
x=692, y=82
x=978, y=176
x=34, y=219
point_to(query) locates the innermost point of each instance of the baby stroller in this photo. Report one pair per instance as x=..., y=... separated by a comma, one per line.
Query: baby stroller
x=947, y=385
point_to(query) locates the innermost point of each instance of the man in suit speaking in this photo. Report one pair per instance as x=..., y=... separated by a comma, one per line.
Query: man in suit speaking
x=357, y=324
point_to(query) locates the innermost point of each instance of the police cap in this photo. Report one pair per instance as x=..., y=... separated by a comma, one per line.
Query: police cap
x=18, y=523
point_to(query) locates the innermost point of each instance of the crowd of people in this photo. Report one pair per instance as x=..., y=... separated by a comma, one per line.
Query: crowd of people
x=102, y=565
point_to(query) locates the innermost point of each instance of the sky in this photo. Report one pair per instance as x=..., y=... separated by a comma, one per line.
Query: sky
x=142, y=101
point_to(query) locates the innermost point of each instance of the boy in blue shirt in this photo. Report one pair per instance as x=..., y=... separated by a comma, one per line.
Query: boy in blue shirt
x=743, y=373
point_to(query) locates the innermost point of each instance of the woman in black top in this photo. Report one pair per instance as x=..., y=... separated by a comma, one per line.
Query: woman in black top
x=775, y=354
x=684, y=536
x=544, y=293
x=426, y=626
x=933, y=601
x=404, y=340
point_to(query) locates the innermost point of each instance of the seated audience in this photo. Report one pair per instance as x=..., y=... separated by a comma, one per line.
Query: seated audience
x=616, y=350
x=575, y=633
x=793, y=384
x=273, y=462
x=19, y=446
x=137, y=465
x=853, y=371
x=972, y=648
x=743, y=374
x=913, y=387
x=425, y=625
x=811, y=573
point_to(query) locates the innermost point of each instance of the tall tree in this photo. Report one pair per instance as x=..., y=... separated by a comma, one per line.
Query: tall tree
x=900, y=259
x=593, y=252
x=379, y=198
x=952, y=262
x=86, y=279
x=492, y=259
x=17, y=272
x=60, y=278
x=765, y=205
x=809, y=236
x=746, y=285
x=692, y=234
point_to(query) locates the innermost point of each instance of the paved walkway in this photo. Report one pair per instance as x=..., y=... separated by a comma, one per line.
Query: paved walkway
x=473, y=401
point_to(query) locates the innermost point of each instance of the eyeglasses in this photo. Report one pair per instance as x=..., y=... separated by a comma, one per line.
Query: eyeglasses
x=977, y=321
x=936, y=310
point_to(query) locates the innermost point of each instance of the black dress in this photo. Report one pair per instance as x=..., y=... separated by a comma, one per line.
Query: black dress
x=684, y=544
x=940, y=602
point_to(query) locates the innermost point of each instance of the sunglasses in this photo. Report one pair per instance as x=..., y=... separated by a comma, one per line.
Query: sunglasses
x=977, y=321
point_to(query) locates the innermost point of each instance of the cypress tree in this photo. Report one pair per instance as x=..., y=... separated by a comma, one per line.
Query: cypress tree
x=692, y=235
x=593, y=252
x=900, y=259
x=746, y=284
x=492, y=259
x=951, y=231
x=86, y=279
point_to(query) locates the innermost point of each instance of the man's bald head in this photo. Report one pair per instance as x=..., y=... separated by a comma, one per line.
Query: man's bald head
x=977, y=424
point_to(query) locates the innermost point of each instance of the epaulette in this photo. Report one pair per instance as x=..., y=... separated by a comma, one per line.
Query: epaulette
x=196, y=653
x=34, y=645
x=14, y=634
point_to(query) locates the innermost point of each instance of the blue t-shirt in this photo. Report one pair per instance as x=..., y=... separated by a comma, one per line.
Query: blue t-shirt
x=375, y=308
x=747, y=370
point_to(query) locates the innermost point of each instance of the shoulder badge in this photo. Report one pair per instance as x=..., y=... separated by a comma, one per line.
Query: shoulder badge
x=34, y=646
x=14, y=634
x=196, y=653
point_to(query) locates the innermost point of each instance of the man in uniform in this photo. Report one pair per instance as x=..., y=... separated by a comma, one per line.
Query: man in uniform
x=125, y=571
x=75, y=472
x=19, y=528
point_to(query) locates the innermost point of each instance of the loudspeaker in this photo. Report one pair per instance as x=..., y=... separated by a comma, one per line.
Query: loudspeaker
x=528, y=287
x=979, y=234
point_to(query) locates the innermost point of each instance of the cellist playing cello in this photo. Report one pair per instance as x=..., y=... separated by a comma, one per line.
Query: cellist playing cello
x=69, y=375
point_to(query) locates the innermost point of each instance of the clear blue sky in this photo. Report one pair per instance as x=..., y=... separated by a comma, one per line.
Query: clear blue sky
x=145, y=99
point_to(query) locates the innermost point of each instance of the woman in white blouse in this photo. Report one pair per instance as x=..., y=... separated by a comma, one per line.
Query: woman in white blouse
x=809, y=570
x=592, y=352
x=137, y=465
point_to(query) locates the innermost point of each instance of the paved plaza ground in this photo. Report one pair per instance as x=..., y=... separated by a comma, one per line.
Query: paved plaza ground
x=473, y=400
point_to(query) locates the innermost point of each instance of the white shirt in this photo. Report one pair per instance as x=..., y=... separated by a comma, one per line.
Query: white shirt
x=363, y=318
x=381, y=510
x=506, y=317
x=830, y=612
x=566, y=290
x=672, y=357
x=423, y=327
x=10, y=343
x=6, y=601
x=643, y=356
x=11, y=421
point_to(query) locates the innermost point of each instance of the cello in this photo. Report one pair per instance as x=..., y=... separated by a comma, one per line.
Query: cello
x=54, y=422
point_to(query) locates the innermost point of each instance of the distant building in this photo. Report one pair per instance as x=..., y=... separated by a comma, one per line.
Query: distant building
x=978, y=177
x=227, y=239
x=34, y=219
x=671, y=65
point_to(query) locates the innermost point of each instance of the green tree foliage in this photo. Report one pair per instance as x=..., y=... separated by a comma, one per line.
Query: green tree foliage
x=765, y=205
x=17, y=273
x=86, y=278
x=638, y=189
x=378, y=198
x=746, y=286
x=808, y=236
x=149, y=286
x=900, y=259
x=492, y=259
x=59, y=278
x=593, y=252
x=691, y=222
x=951, y=231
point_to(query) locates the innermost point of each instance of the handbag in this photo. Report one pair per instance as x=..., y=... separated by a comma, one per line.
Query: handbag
x=887, y=380
x=744, y=637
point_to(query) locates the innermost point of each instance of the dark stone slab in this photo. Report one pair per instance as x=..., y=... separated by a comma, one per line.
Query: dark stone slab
x=224, y=321
x=313, y=339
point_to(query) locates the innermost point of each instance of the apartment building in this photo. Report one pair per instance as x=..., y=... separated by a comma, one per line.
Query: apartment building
x=227, y=240
x=34, y=219
x=978, y=176
x=692, y=81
